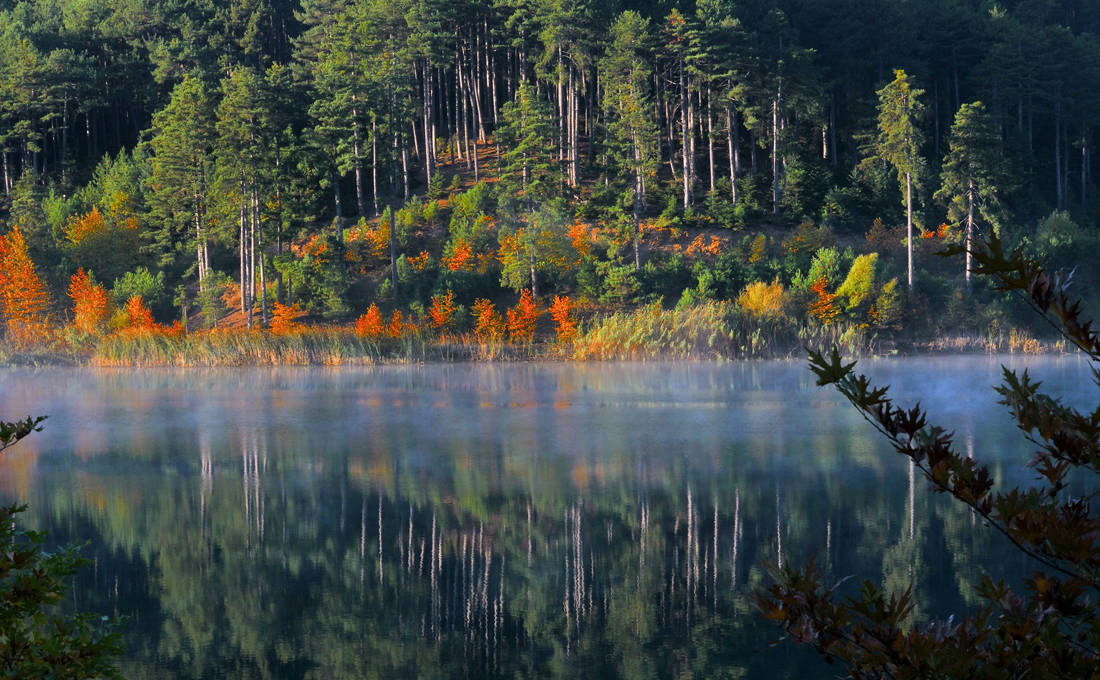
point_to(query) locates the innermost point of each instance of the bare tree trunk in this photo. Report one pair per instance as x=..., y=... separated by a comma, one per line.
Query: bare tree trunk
x=360, y=204
x=251, y=265
x=1084, y=165
x=639, y=198
x=243, y=238
x=710, y=137
x=1058, y=155
x=374, y=161
x=775, y=152
x=462, y=96
x=429, y=137
x=405, y=172
x=832, y=130
x=561, y=108
x=479, y=85
x=685, y=116
x=731, y=132
x=909, y=226
x=534, y=279
x=259, y=246
x=969, y=237
x=200, y=247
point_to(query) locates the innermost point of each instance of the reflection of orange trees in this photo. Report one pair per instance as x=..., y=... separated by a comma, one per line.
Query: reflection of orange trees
x=824, y=308
x=90, y=304
x=560, y=313
x=488, y=324
x=763, y=300
x=284, y=318
x=441, y=311
x=522, y=319
x=23, y=296
x=370, y=324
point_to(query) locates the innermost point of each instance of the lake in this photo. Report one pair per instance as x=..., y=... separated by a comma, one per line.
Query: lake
x=484, y=521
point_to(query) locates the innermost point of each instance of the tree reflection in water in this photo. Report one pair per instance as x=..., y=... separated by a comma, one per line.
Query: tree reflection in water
x=476, y=522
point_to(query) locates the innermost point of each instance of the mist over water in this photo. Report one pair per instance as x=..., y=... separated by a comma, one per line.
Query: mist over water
x=468, y=521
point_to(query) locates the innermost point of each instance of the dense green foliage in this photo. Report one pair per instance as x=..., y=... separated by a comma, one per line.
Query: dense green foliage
x=247, y=150
x=1051, y=631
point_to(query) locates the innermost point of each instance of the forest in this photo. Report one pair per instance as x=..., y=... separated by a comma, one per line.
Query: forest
x=251, y=181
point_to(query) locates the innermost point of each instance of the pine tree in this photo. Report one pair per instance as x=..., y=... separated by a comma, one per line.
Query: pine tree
x=183, y=136
x=529, y=169
x=244, y=170
x=899, y=141
x=625, y=74
x=971, y=175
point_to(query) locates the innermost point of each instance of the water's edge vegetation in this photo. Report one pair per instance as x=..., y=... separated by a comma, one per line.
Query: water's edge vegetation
x=704, y=331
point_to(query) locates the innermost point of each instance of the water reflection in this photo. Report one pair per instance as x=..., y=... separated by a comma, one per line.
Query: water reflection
x=487, y=521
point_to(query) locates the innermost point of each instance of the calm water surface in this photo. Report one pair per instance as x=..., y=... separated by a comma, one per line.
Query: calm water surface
x=483, y=521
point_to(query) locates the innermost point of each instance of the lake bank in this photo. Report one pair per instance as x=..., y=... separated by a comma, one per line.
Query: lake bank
x=646, y=339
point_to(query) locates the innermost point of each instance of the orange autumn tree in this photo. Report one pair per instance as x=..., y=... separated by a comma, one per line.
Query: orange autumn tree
x=80, y=228
x=488, y=324
x=522, y=318
x=560, y=313
x=824, y=308
x=139, y=316
x=24, y=300
x=459, y=257
x=90, y=304
x=284, y=318
x=397, y=325
x=370, y=325
x=441, y=311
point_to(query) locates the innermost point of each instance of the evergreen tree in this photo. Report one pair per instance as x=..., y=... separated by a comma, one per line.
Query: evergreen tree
x=627, y=102
x=899, y=141
x=971, y=175
x=182, y=137
x=529, y=169
x=244, y=159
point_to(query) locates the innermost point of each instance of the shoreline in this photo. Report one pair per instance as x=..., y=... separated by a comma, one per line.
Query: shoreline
x=292, y=353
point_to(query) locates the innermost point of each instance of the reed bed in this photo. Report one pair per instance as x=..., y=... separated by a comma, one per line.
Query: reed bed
x=711, y=330
x=305, y=346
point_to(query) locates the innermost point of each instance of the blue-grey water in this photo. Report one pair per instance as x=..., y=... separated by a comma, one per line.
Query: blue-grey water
x=490, y=521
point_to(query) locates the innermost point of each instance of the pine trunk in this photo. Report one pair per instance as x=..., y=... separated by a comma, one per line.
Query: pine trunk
x=909, y=226
x=685, y=144
x=710, y=137
x=969, y=237
x=393, y=254
x=775, y=153
x=360, y=203
x=730, y=139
